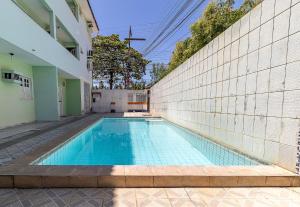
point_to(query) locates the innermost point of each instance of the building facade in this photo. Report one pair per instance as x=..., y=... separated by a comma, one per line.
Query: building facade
x=119, y=100
x=45, y=59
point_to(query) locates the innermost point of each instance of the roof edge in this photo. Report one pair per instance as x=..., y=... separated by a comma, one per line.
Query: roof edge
x=88, y=1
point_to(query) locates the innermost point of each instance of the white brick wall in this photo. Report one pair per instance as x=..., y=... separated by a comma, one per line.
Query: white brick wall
x=243, y=88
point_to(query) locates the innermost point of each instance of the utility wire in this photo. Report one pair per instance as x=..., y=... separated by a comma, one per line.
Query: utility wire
x=178, y=13
x=178, y=26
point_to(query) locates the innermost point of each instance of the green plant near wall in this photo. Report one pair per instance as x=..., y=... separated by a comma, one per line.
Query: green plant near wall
x=217, y=17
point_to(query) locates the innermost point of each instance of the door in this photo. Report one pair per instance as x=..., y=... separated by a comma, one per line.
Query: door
x=61, y=96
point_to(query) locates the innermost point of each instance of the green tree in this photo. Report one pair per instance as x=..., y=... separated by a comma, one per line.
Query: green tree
x=134, y=67
x=138, y=85
x=107, y=58
x=116, y=63
x=159, y=70
x=217, y=17
x=248, y=5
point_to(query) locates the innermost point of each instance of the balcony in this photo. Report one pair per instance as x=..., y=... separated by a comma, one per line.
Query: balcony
x=22, y=30
x=74, y=8
x=38, y=12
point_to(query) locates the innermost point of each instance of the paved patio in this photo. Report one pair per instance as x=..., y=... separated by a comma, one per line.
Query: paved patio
x=152, y=197
x=19, y=140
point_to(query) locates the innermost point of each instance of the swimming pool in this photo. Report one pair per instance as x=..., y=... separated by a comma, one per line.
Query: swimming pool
x=141, y=141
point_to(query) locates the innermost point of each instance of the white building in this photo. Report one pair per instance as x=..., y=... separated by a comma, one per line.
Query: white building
x=45, y=59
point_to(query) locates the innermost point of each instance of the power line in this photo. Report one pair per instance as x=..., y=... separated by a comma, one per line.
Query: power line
x=170, y=22
x=157, y=42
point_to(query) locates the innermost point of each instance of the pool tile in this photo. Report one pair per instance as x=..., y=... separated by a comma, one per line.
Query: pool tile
x=279, y=181
x=223, y=181
x=84, y=181
x=195, y=181
x=111, y=181
x=139, y=181
x=296, y=181
x=167, y=181
x=56, y=181
x=251, y=181
x=6, y=181
x=24, y=181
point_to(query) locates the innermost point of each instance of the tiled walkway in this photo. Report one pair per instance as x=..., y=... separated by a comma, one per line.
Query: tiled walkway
x=175, y=197
x=21, y=147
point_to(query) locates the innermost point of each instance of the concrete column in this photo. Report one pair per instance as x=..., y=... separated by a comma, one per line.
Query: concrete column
x=45, y=81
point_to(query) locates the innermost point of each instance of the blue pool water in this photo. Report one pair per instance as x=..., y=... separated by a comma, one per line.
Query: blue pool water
x=131, y=141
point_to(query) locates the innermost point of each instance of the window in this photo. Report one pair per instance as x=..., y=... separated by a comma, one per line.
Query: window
x=26, y=85
x=130, y=97
x=140, y=97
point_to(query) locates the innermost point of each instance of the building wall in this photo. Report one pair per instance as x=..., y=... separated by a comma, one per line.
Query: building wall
x=36, y=41
x=15, y=108
x=46, y=60
x=243, y=88
x=104, y=98
x=73, y=97
x=45, y=80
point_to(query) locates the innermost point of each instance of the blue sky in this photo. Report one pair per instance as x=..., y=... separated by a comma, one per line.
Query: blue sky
x=145, y=17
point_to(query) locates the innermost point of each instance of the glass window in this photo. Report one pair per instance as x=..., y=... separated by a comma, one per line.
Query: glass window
x=140, y=97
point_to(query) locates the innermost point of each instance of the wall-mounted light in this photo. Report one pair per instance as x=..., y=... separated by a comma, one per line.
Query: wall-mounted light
x=11, y=56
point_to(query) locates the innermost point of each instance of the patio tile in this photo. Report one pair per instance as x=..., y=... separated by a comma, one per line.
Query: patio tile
x=176, y=193
x=121, y=197
x=205, y=194
x=146, y=202
x=151, y=193
x=182, y=202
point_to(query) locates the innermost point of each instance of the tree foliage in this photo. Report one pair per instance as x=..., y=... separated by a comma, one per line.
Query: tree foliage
x=159, y=70
x=115, y=62
x=217, y=17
